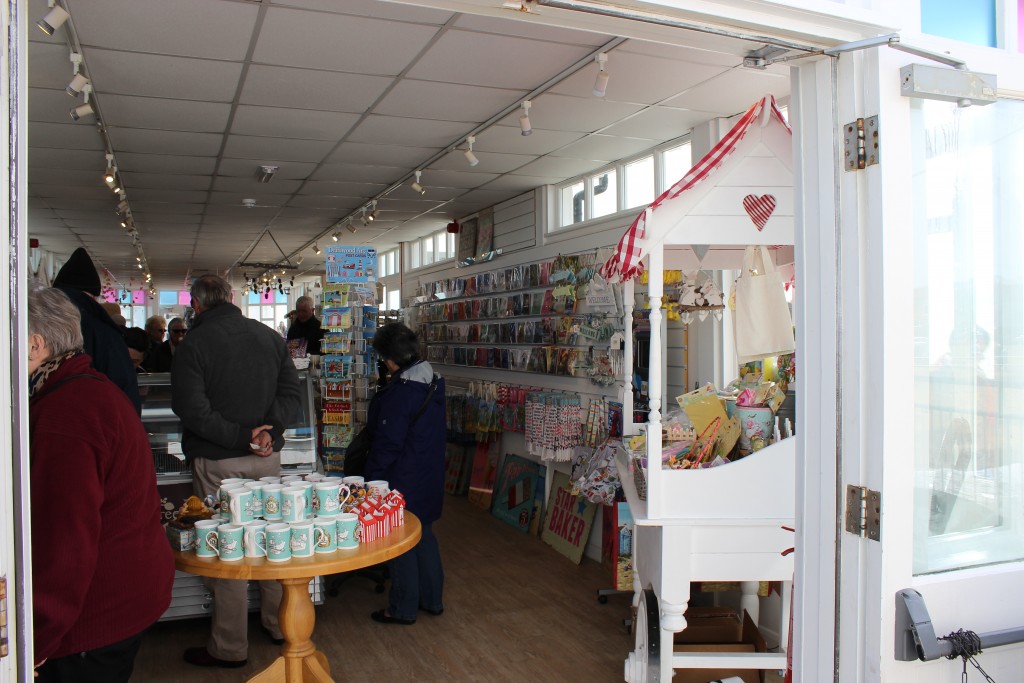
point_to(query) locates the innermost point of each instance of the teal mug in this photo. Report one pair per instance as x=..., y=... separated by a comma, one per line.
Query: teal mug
x=279, y=539
x=206, y=537
x=229, y=542
x=325, y=535
x=348, y=531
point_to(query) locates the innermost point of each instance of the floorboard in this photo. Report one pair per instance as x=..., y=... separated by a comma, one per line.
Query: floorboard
x=515, y=610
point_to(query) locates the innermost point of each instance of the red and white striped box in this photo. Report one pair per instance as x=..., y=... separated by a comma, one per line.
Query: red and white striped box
x=367, y=528
x=397, y=501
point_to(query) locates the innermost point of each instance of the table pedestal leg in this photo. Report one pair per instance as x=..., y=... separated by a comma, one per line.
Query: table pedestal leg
x=300, y=661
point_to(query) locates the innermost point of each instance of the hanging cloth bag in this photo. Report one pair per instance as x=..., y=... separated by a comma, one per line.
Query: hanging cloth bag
x=764, y=325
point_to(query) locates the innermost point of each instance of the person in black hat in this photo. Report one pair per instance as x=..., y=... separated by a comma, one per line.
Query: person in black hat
x=101, y=338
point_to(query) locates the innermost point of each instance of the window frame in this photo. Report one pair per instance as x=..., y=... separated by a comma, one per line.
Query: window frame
x=557, y=192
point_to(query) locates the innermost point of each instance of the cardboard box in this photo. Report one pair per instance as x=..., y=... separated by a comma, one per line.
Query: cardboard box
x=710, y=625
x=751, y=640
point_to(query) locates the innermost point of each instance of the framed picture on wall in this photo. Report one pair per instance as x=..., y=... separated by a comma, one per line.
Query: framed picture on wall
x=467, y=239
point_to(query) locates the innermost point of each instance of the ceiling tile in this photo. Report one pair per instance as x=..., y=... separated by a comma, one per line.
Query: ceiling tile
x=510, y=140
x=534, y=61
x=51, y=106
x=161, y=208
x=326, y=202
x=360, y=173
x=163, y=142
x=457, y=178
x=730, y=93
x=660, y=78
x=213, y=29
x=535, y=30
x=168, y=181
x=60, y=176
x=51, y=65
x=565, y=113
x=268, y=204
x=286, y=170
x=254, y=188
x=407, y=131
x=165, y=114
x=160, y=163
x=371, y=8
x=446, y=101
x=519, y=183
x=721, y=53
x=325, y=90
x=42, y=157
x=133, y=73
x=489, y=162
x=358, y=37
x=554, y=166
x=416, y=206
x=604, y=148
x=177, y=219
x=170, y=196
x=66, y=136
x=304, y=124
x=432, y=191
x=381, y=154
x=251, y=147
x=659, y=123
x=98, y=194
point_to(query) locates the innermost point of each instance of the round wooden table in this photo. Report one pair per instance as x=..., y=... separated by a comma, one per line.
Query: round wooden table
x=300, y=660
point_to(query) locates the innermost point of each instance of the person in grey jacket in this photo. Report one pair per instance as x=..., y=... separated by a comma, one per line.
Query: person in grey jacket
x=235, y=389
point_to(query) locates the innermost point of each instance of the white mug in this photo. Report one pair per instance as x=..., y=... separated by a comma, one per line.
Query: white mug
x=293, y=504
x=302, y=539
x=377, y=488
x=254, y=538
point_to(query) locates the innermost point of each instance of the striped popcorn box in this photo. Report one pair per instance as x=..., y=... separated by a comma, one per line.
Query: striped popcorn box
x=381, y=520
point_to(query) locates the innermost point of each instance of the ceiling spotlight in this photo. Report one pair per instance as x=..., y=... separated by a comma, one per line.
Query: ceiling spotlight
x=122, y=206
x=374, y=214
x=524, y=120
x=316, y=249
x=366, y=221
x=601, y=82
x=416, y=187
x=351, y=228
x=83, y=109
x=265, y=173
x=79, y=80
x=336, y=236
x=298, y=261
x=108, y=175
x=470, y=157
x=53, y=20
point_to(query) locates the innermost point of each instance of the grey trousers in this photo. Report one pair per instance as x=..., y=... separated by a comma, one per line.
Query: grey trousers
x=229, y=630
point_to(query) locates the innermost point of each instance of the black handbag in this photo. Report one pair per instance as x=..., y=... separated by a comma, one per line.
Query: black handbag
x=358, y=451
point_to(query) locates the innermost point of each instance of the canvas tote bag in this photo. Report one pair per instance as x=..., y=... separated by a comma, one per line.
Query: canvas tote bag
x=764, y=325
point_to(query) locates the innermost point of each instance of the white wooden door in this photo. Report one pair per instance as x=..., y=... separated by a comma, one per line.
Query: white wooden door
x=931, y=346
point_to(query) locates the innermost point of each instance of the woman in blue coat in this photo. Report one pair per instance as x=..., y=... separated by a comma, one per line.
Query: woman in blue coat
x=407, y=416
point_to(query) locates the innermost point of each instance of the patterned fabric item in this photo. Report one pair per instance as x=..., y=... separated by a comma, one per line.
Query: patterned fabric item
x=41, y=374
x=625, y=264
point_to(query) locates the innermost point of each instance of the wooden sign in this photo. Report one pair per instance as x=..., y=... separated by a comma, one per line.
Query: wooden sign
x=513, y=496
x=568, y=519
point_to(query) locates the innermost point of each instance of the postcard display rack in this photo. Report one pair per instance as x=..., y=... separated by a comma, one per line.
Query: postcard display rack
x=548, y=318
x=348, y=370
x=724, y=523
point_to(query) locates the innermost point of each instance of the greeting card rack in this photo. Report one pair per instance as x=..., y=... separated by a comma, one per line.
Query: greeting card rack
x=348, y=369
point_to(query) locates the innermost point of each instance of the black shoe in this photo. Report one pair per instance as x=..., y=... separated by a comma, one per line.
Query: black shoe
x=383, y=617
x=433, y=612
x=198, y=656
x=275, y=641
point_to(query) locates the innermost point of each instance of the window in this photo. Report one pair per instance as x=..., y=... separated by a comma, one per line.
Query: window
x=388, y=262
x=639, y=182
x=271, y=309
x=971, y=22
x=600, y=194
x=677, y=161
x=433, y=248
x=604, y=191
x=394, y=299
x=968, y=335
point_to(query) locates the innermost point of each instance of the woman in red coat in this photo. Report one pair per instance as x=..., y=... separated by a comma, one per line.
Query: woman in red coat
x=101, y=566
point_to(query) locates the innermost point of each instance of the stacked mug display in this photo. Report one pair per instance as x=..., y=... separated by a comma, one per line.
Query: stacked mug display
x=280, y=518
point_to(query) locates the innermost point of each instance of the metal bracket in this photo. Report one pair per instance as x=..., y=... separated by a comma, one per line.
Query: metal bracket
x=861, y=147
x=863, y=512
x=915, y=634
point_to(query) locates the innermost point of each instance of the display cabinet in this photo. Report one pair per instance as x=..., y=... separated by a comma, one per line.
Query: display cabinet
x=189, y=597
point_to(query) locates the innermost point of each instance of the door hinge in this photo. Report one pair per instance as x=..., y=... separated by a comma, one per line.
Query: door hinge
x=861, y=146
x=863, y=512
x=3, y=617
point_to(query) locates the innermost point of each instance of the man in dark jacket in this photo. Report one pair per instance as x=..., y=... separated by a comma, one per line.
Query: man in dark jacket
x=408, y=422
x=101, y=337
x=305, y=326
x=235, y=389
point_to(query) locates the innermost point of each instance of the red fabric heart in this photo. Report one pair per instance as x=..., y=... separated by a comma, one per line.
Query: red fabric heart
x=759, y=209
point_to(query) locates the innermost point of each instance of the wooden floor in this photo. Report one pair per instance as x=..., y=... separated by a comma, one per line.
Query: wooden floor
x=515, y=610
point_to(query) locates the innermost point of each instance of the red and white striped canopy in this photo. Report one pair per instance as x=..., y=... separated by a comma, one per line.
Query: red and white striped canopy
x=625, y=264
